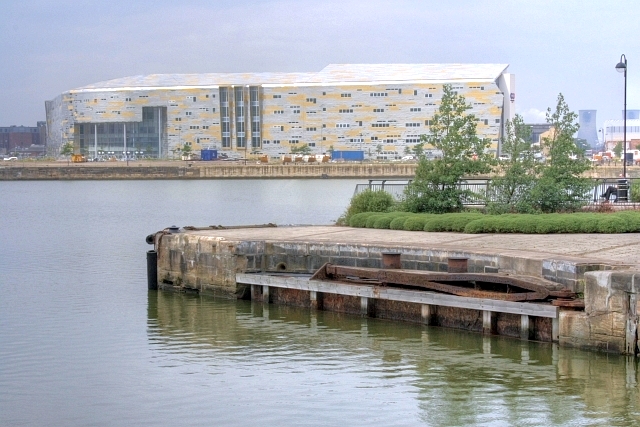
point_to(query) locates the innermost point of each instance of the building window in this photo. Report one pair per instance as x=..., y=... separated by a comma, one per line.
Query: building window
x=311, y=100
x=342, y=125
x=427, y=122
x=412, y=125
x=378, y=110
x=345, y=95
x=277, y=96
x=187, y=113
x=380, y=125
x=497, y=120
x=346, y=110
x=278, y=112
x=415, y=109
x=415, y=92
x=311, y=129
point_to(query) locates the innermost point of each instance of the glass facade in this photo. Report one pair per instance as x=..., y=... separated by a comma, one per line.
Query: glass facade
x=225, y=119
x=143, y=139
x=241, y=140
x=254, y=99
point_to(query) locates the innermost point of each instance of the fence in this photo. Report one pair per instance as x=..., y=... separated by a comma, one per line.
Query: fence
x=480, y=195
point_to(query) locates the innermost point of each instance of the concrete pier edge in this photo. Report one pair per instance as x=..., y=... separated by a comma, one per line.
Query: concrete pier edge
x=209, y=261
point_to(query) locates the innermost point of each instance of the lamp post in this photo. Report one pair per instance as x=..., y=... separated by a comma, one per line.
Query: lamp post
x=622, y=68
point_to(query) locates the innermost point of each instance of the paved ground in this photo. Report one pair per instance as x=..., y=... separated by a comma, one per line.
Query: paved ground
x=612, y=248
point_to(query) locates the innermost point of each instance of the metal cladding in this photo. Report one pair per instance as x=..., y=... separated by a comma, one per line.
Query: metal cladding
x=380, y=109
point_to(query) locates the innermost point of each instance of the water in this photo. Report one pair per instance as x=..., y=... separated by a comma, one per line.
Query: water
x=83, y=343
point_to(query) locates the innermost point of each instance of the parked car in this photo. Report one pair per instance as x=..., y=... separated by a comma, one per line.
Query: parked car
x=10, y=159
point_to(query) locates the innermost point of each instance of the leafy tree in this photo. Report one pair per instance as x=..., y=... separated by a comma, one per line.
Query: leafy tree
x=508, y=192
x=379, y=149
x=582, y=145
x=330, y=149
x=418, y=150
x=67, y=150
x=560, y=186
x=187, y=150
x=617, y=150
x=303, y=149
x=637, y=146
x=453, y=131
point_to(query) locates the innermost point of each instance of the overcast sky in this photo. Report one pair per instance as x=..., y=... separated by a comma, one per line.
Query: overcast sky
x=569, y=46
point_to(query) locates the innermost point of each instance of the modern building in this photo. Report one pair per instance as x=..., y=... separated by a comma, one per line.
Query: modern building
x=614, y=133
x=588, y=127
x=537, y=131
x=361, y=107
x=17, y=139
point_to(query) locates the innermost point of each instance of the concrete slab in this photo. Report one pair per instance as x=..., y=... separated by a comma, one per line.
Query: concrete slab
x=622, y=249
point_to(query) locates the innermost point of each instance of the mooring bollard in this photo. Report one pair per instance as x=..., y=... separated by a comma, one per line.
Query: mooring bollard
x=152, y=269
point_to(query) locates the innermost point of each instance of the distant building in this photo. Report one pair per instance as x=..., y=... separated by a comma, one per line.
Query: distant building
x=537, y=129
x=588, y=129
x=632, y=114
x=14, y=139
x=614, y=133
x=356, y=107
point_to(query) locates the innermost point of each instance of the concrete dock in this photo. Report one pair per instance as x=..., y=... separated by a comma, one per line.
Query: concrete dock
x=238, y=262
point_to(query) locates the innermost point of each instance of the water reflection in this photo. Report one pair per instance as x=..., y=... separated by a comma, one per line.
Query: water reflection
x=434, y=376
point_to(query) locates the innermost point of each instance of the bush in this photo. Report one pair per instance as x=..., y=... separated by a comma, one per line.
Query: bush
x=634, y=191
x=383, y=222
x=360, y=220
x=455, y=222
x=398, y=222
x=368, y=201
x=372, y=219
x=416, y=223
x=473, y=222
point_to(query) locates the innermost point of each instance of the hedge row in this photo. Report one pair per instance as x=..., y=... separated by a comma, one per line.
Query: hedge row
x=587, y=222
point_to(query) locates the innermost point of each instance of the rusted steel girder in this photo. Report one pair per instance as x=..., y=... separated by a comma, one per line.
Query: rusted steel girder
x=451, y=283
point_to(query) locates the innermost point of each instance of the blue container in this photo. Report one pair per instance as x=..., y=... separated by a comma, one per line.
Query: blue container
x=347, y=155
x=208, y=155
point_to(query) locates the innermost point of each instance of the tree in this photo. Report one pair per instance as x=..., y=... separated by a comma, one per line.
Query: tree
x=303, y=149
x=379, y=149
x=617, y=150
x=560, y=186
x=186, y=150
x=508, y=192
x=435, y=188
x=418, y=150
x=67, y=150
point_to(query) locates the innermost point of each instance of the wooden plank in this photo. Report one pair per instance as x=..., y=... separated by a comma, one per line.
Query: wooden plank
x=404, y=295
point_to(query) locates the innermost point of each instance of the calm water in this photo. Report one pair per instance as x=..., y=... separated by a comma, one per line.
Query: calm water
x=83, y=343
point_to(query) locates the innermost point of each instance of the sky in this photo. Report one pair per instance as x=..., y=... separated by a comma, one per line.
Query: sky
x=560, y=46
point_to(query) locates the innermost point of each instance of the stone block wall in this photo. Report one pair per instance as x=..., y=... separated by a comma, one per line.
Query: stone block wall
x=610, y=319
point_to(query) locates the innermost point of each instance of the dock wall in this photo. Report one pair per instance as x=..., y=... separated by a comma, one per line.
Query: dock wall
x=211, y=265
x=202, y=170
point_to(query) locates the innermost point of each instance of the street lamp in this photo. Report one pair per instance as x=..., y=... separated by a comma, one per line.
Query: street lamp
x=622, y=68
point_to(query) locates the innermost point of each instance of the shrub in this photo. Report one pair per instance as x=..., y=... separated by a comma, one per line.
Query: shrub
x=371, y=219
x=369, y=201
x=455, y=222
x=634, y=192
x=416, y=223
x=383, y=222
x=398, y=222
x=359, y=220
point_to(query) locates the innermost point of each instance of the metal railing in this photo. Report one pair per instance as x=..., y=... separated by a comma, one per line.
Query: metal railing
x=479, y=190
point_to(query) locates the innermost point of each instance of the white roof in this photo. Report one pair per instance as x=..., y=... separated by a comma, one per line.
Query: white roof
x=332, y=74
